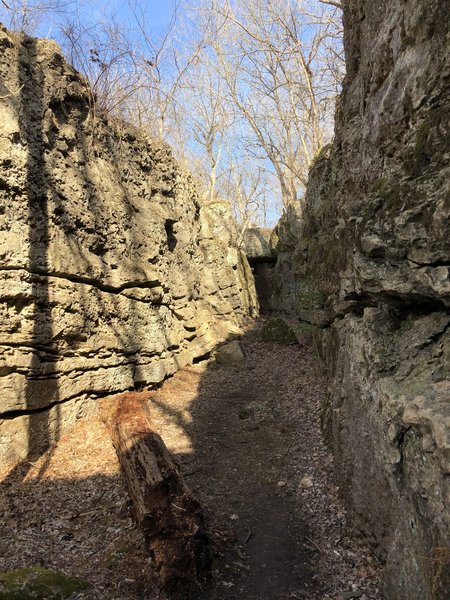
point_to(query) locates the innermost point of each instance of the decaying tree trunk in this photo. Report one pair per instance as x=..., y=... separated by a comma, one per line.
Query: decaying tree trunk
x=163, y=505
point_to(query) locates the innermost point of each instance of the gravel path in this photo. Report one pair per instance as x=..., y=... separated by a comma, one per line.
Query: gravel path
x=248, y=442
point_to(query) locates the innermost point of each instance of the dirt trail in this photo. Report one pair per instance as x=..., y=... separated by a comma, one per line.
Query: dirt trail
x=248, y=441
x=265, y=478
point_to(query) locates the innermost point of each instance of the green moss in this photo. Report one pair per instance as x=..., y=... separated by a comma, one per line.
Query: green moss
x=421, y=142
x=420, y=156
x=277, y=330
x=37, y=583
x=326, y=213
x=319, y=261
x=117, y=555
x=380, y=185
x=302, y=245
x=311, y=299
x=388, y=191
x=320, y=216
x=246, y=412
x=307, y=330
x=336, y=256
x=338, y=108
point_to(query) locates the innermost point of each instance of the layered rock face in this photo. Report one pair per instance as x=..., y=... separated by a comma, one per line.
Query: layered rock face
x=367, y=268
x=259, y=245
x=113, y=272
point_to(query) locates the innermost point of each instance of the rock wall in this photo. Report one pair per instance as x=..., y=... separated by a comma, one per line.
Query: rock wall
x=259, y=245
x=367, y=269
x=113, y=273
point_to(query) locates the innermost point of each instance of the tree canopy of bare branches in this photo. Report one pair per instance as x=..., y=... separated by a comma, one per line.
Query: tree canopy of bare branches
x=244, y=91
x=25, y=15
x=281, y=66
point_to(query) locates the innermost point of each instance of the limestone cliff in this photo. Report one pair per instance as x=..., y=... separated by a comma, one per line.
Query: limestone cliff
x=113, y=273
x=367, y=268
x=259, y=245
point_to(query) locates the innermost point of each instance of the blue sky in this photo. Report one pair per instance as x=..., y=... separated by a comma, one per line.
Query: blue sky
x=154, y=16
x=157, y=14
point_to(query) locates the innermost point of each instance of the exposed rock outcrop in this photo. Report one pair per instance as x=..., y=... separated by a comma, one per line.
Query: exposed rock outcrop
x=368, y=270
x=113, y=273
x=259, y=244
x=260, y=247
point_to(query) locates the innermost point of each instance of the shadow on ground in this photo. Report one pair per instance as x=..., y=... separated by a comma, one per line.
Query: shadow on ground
x=248, y=442
x=227, y=431
x=237, y=441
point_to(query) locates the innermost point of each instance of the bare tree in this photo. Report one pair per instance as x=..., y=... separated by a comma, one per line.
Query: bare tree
x=331, y=3
x=280, y=73
x=104, y=53
x=26, y=15
x=249, y=190
x=245, y=90
x=134, y=72
x=263, y=70
x=205, y=119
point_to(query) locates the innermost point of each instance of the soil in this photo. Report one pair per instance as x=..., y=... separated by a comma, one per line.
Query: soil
x=248, y=441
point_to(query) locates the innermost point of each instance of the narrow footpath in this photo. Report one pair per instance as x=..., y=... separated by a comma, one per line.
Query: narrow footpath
x=247, y=439
x=258, y=463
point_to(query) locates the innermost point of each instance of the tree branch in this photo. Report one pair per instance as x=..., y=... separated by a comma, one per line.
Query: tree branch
x=332, y=3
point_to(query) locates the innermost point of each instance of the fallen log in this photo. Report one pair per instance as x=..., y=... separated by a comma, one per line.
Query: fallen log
x=162, y=504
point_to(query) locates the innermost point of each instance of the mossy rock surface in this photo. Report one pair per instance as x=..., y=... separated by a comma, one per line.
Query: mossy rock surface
x=307, y=330
x=277, y=330
x=37, y=583
x=230, y=354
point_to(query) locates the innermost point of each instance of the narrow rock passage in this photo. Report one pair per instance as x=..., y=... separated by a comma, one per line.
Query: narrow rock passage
x=254, y=455
x=249, y=444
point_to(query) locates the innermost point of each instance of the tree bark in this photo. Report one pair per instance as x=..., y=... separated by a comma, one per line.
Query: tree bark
x=164, y=507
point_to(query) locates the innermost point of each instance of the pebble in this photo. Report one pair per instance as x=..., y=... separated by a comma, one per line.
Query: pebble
x=306, y=483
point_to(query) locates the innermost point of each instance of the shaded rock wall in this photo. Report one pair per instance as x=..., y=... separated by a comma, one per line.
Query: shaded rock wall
x=260, y=246
x=113, y=273
x=367, y=268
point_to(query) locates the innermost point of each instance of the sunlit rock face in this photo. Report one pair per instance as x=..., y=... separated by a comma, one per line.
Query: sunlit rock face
x=113, y=272
x=369, y=274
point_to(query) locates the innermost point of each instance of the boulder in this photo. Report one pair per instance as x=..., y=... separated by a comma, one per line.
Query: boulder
x=275, y=329
x=258, y=244
x=230, y=354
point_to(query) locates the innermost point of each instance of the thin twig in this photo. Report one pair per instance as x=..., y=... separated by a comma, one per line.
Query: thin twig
x=332, y=3
x=10, y=92
x=313, y=542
